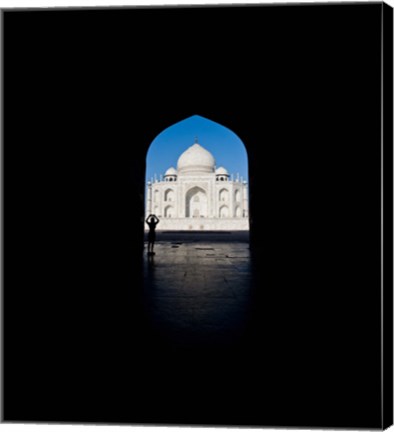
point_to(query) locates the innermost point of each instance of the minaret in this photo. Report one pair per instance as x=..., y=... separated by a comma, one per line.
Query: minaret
x=149, y=200
x=245, y=199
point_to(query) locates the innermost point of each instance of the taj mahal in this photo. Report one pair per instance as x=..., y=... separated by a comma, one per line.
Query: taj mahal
x=197, y=196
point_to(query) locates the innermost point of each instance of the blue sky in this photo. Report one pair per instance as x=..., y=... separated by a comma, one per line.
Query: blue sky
x=227, y=149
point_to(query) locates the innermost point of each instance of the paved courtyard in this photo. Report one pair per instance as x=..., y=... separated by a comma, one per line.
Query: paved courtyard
x=198, y=289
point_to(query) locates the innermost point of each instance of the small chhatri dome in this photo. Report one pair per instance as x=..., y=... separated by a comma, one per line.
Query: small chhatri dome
x=222, y=171
x=171, y=172
x=196, y=159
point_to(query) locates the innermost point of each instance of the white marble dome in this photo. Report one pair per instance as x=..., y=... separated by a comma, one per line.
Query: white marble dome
x=196, y=160
x=171, y=172
x=222, y=171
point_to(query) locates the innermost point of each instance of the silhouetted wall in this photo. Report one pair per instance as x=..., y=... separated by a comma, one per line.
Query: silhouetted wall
x=86, y=92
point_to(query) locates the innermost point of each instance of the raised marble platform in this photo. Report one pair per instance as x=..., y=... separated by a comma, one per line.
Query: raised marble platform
x=202, y=224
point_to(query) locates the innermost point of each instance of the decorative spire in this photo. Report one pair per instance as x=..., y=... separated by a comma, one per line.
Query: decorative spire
x=196, y=139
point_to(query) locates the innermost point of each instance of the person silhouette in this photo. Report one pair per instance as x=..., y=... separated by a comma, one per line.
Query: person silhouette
x=152, y=220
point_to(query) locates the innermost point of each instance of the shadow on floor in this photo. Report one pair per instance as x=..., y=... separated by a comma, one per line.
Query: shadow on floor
x=198, y=289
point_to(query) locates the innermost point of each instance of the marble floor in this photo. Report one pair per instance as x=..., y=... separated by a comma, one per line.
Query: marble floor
x=198, y=290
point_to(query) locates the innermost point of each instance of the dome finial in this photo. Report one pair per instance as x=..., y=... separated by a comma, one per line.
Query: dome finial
x=196, y=139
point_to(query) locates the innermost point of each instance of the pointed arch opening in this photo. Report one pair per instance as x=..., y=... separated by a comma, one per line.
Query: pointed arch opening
x=196, y=203
x=207, y=166
x=223, y=195
x=223, y=212
x=169, y=212
x=169, y=195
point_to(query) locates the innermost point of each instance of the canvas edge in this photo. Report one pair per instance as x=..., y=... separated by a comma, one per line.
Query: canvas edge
x=387, y=215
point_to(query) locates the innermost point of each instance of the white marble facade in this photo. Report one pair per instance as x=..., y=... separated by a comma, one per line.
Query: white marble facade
x=196, y=196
